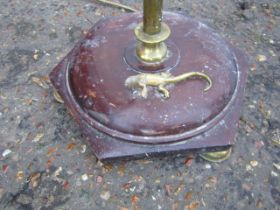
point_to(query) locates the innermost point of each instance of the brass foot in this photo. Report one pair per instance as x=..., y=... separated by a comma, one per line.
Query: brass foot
x=216, y=157
x=57, y=97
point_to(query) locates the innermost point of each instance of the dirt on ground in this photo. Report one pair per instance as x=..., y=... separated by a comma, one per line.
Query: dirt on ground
x=45, y=162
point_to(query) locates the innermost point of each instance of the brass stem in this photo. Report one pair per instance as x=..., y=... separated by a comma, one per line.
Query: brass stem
x=152, y=16
x=152, y=33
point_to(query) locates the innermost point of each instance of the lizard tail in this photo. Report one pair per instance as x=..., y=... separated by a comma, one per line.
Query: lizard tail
x=188, y=75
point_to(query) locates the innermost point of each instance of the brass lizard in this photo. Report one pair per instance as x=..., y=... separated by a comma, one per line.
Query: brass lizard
x=160, y=80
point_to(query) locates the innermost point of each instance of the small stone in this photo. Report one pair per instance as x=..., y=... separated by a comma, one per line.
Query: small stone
x=51, y=150
x=273, y=54
x=168, y=189
x=6, y=152
x=277, y=166
x=193, y=205
x=40, y=82
x=157, y=180
x=188, y=161
x=132, y=189
x=98, y=12
x=99, y=179
x=105, y=195
x=249, y=167
x=253, y=67
x=20, y=175
x=252, y=106
x=84, y=148
x=254, y=163
x=66, y=185
x=38, y=137
x=261, y=58
x=84, y=177
x=70, y=147
x=134, y=199
x=276, y=137
x=35, y=179
x=57, y=172
x=107, y=168
x=188, y=196
x=273, y=173
x=35, y=56
x=5, y=168
x=211, y=182
x=208, y=166
x=259, y=144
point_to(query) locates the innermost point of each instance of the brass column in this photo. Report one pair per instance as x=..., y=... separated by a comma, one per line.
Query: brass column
x=151, y=33
x=152, y=16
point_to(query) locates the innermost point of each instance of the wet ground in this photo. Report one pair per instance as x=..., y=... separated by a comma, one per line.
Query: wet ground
x=45, y=162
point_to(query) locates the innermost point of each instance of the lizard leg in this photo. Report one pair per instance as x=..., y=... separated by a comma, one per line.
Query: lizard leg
x=144, y=92
x=165, y=92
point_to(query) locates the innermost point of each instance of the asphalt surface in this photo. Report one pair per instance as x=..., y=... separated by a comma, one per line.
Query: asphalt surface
x=45, y=162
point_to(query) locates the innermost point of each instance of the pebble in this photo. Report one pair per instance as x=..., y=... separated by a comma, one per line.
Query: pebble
x=84, y=177
x=277, y=166
x=84, y=148
x=208, y=166
x=249, y=167
x=254, y=163
x=99, y=179
x=105, y=195
x=35, y=56
x=58, y=171
x=6, y=152
x=38, y=137
x=19, y=175
x=272, y=53
x=273, y=173
x=261, y=58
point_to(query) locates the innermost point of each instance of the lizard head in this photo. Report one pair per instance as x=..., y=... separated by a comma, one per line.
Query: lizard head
x=132, y=81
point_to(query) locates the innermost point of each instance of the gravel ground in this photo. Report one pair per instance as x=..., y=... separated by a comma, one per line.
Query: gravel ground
x=45, y=162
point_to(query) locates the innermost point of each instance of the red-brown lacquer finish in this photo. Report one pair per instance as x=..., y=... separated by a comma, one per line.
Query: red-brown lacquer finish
x=121, y=123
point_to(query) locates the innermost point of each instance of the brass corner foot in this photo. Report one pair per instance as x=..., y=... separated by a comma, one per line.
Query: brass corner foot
x=216, y=157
